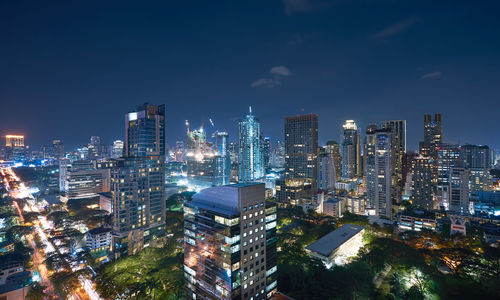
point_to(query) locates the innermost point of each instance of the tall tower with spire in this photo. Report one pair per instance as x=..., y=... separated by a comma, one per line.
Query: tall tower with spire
x=251, y=157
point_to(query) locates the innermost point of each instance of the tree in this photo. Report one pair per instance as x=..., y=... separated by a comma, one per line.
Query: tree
x=36, y=292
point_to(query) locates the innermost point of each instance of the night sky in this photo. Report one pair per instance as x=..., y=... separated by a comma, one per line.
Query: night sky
x=72, y=69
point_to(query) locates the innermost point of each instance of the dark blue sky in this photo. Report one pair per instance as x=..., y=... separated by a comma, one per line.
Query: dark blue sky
x=72, y=69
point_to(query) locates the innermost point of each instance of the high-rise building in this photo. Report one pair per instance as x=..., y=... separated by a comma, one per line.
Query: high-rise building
x=398, y=129
x=251, y=157
x=58, y=149
x=459, y=190
x=117, y=150
x=266, y=146
x=351, y=150
x=301, y=147
x=332, y=147
x=138, y=182
x=432, y=135
x=83, y=180
x=230, y=244
x=14, y=147
x=326, y=171
x=424, y=182
x=379, y=151
x=477, y=160
x=278, y=155
x=145, y=131
x=448, y=157
x=222, y=164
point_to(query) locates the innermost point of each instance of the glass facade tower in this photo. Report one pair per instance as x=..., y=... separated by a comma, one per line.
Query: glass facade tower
x=251, y=156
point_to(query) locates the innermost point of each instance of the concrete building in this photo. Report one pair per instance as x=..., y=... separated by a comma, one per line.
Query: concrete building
x=432, y=135
x=326, y=171
x=231, y=229
x=423, y=182
x=350, y=150
x=334, y=207
x=417, y=220
x=98, y=241
x=138, y=182
x=340, y=244
x=14, y=147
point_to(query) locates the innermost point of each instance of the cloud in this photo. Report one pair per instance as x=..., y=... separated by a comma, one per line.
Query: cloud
x=280, y=70
x=394, y=29
x=277, y=74
x=431, y=75
x=300, y=6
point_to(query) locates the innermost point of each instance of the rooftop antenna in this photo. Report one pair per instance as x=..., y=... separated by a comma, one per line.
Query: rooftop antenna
x=250, y=109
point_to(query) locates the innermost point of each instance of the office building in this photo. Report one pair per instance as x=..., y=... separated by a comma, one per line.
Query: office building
x=326, y=171
x=423, y=182
x=350, y=150
x=222, y=163
x=138, y=182
x=83, y=180
x=301, y=147
x=448, y=157
x=332, y=147
x=477, y=160
x=417, y=220
x=230, y=244
x=117, y=149
x=14, y=147
x=266, y=146
x=432, y=135
x=379, y=153
x=58, y=149
x=459, y=190
x=251, y=156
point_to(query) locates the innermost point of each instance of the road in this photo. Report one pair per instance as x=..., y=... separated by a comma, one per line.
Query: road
x=19, y=190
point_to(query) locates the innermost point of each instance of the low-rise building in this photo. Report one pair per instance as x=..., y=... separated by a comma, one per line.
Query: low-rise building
x=337, y=246
x=417, y=220
x=99, y=241
x=333, y=207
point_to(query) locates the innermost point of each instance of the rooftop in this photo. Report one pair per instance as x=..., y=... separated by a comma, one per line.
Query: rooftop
x=328, y=243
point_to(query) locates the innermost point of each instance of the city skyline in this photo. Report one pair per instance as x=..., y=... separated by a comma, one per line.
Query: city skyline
x=410, y=59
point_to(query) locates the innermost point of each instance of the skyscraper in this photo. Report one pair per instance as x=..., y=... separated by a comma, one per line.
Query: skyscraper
x=14, y=147
x=432, y=135
x=251, y=157
x=117, y=150
x=58, y=148
x=332, y=147
x=222, y=172
x=398, y=129
x=459, y=190
x=448, y=158
x=379, y=170
x=424, y=182
x=477, y=160
x=326, y=171
x=145, y=131
x=266, y=145
x=230, y=243
x=351, y=150
x=138, y=182
x=301, y=147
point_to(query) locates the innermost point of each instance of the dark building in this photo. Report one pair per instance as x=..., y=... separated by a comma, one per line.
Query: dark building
x=432, y=135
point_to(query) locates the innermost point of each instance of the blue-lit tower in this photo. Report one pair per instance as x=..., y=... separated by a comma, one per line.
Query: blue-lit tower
x=251, y=158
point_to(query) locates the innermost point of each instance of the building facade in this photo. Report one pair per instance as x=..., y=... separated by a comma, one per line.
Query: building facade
x=251, y=156
x=351, y=150
x=230, y=244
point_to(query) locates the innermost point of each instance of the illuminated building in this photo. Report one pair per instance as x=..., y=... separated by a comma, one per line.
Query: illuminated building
x=292, y=191
x=58, y=149
x=266, y=146
x=14, y=147
x=83, y=180
x=338, y=245
x=417, y=220
x=350, y=150
x=398, y=129
x=117, y=150
x=98, y=241
x=333, y=207
x=432, y=135
x=448, y=157
x=424, y=182
x=222, y=163
x=326, y=171
x=332, y=147
x=278, y=155
x=145, y=131
x=477, y=160
x=379, y=170
x=301, y=147
x=355, y=205
x=138, y=182
x=459, y=190
x=230, y=244
x=251, y=157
